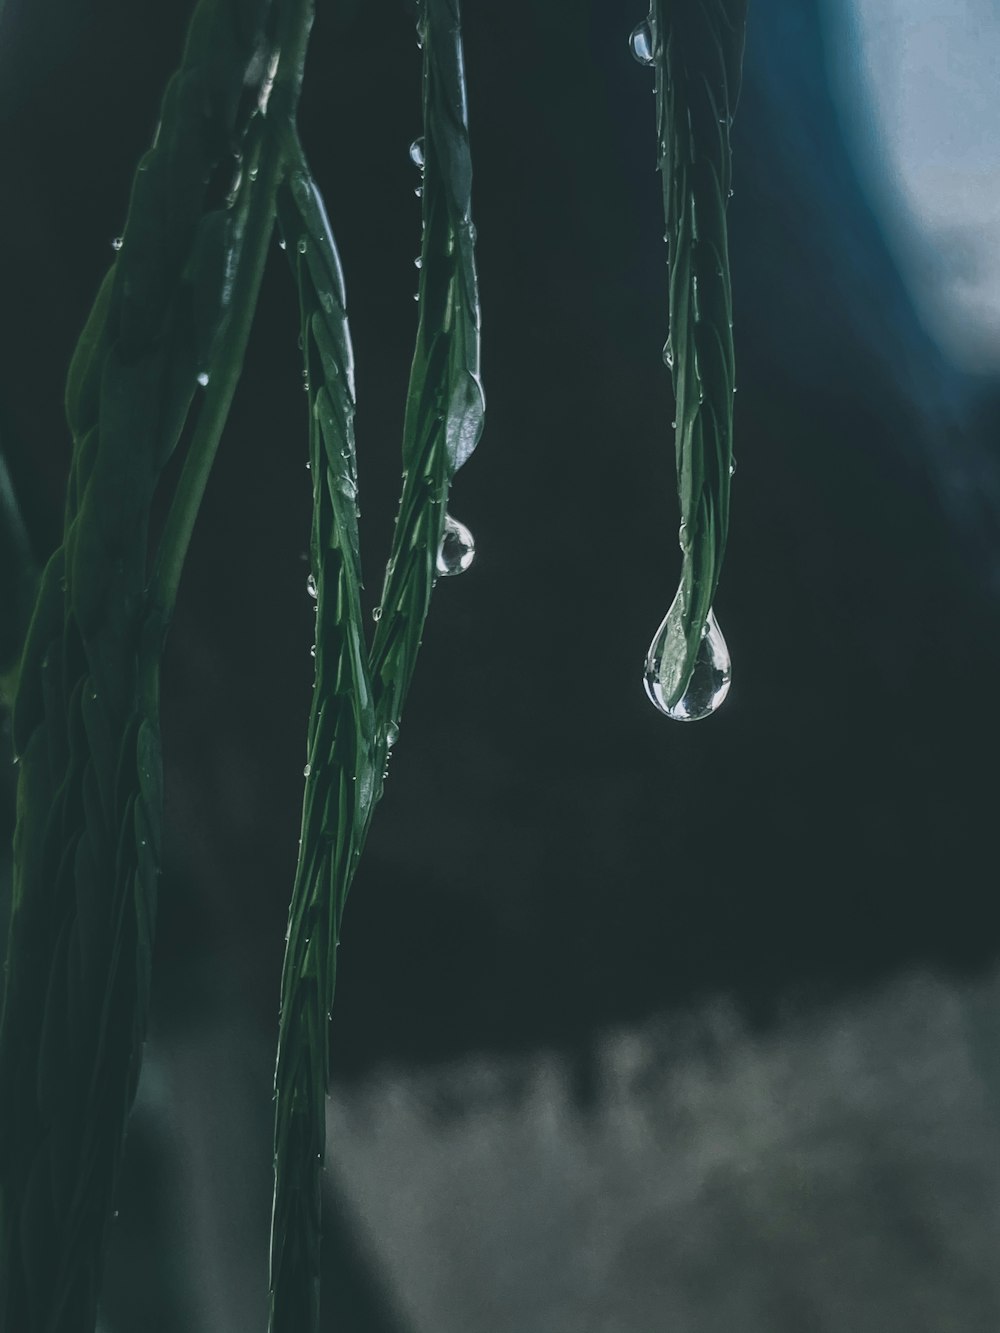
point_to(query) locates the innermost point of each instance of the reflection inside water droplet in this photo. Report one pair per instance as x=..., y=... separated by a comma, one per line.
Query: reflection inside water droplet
x=457, y=550
x=709, y=682
x=311, y=586
x=417, y=151
x=641, y=42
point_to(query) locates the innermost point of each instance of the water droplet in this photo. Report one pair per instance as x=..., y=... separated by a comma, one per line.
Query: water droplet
x=732, y=466
x=282, y=243
x=709, y=681
x=457, y=550
x=312, y=588
x=418, y=262
x=253, y=173
x=203, y=378
x=303, y=245
x=668, y=354
x=377, y=614
x=419, y=191
x=307, y=770
x=116, y=244
x=391, y=735
x=416, y=296
x=417, y=152
x=641, y=42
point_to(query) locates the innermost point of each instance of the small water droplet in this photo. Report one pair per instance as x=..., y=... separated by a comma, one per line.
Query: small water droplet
x=417, y=152
x=419, y=191
x=307, y=770
x=303, y=245
x=709, y=681
x=253, y=173
x=668, y=354
x=116, y=244
x=312, y=651
x=377, y=614
x=418, y=262
x=203, y=378
x=732, y=466
x=282, y=243
x=312, y=588
x=457, y=550
x=641, y=42
x=391, y=735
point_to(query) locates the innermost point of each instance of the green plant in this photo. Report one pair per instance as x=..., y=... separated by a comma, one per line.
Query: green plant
x=174, y=313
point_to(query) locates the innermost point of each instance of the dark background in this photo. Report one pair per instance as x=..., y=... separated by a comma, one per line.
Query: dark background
x=551, y=855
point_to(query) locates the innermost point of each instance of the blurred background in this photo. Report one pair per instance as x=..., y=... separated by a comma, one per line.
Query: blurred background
x=639, y=1026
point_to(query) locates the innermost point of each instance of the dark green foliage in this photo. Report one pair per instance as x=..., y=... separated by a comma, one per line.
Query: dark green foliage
x=175, y=304
x=698, y=51
x=358, y=699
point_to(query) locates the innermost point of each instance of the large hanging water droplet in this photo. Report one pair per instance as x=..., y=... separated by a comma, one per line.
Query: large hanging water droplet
x=709, y=681
x=457, y=550
x=417, y=152
x=311, y=586
x=641, y=42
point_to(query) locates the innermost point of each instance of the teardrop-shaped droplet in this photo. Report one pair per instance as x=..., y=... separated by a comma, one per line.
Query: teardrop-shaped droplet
x=116, y=244
x=307, y=770
x=391, y=735
x=668, y=354
x=203, y=378
x=641, y=42
x=709, y=682
x=417, y=152
x=457, y=550
x=311, y=587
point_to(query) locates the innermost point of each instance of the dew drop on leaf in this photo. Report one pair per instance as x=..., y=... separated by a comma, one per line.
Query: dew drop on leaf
x=307, y=770
x=457, y=550
x=641, y=42
x=116, y=244
x=311, y=587
x=203, y=378
x=376, y=614
x=709, y=681
x=417, y=152
x=303, y=245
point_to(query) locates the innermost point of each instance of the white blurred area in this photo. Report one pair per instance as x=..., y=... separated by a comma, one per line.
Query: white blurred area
x=917, y=85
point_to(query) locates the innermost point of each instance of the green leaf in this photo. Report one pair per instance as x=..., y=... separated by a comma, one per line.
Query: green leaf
x=698, y=53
